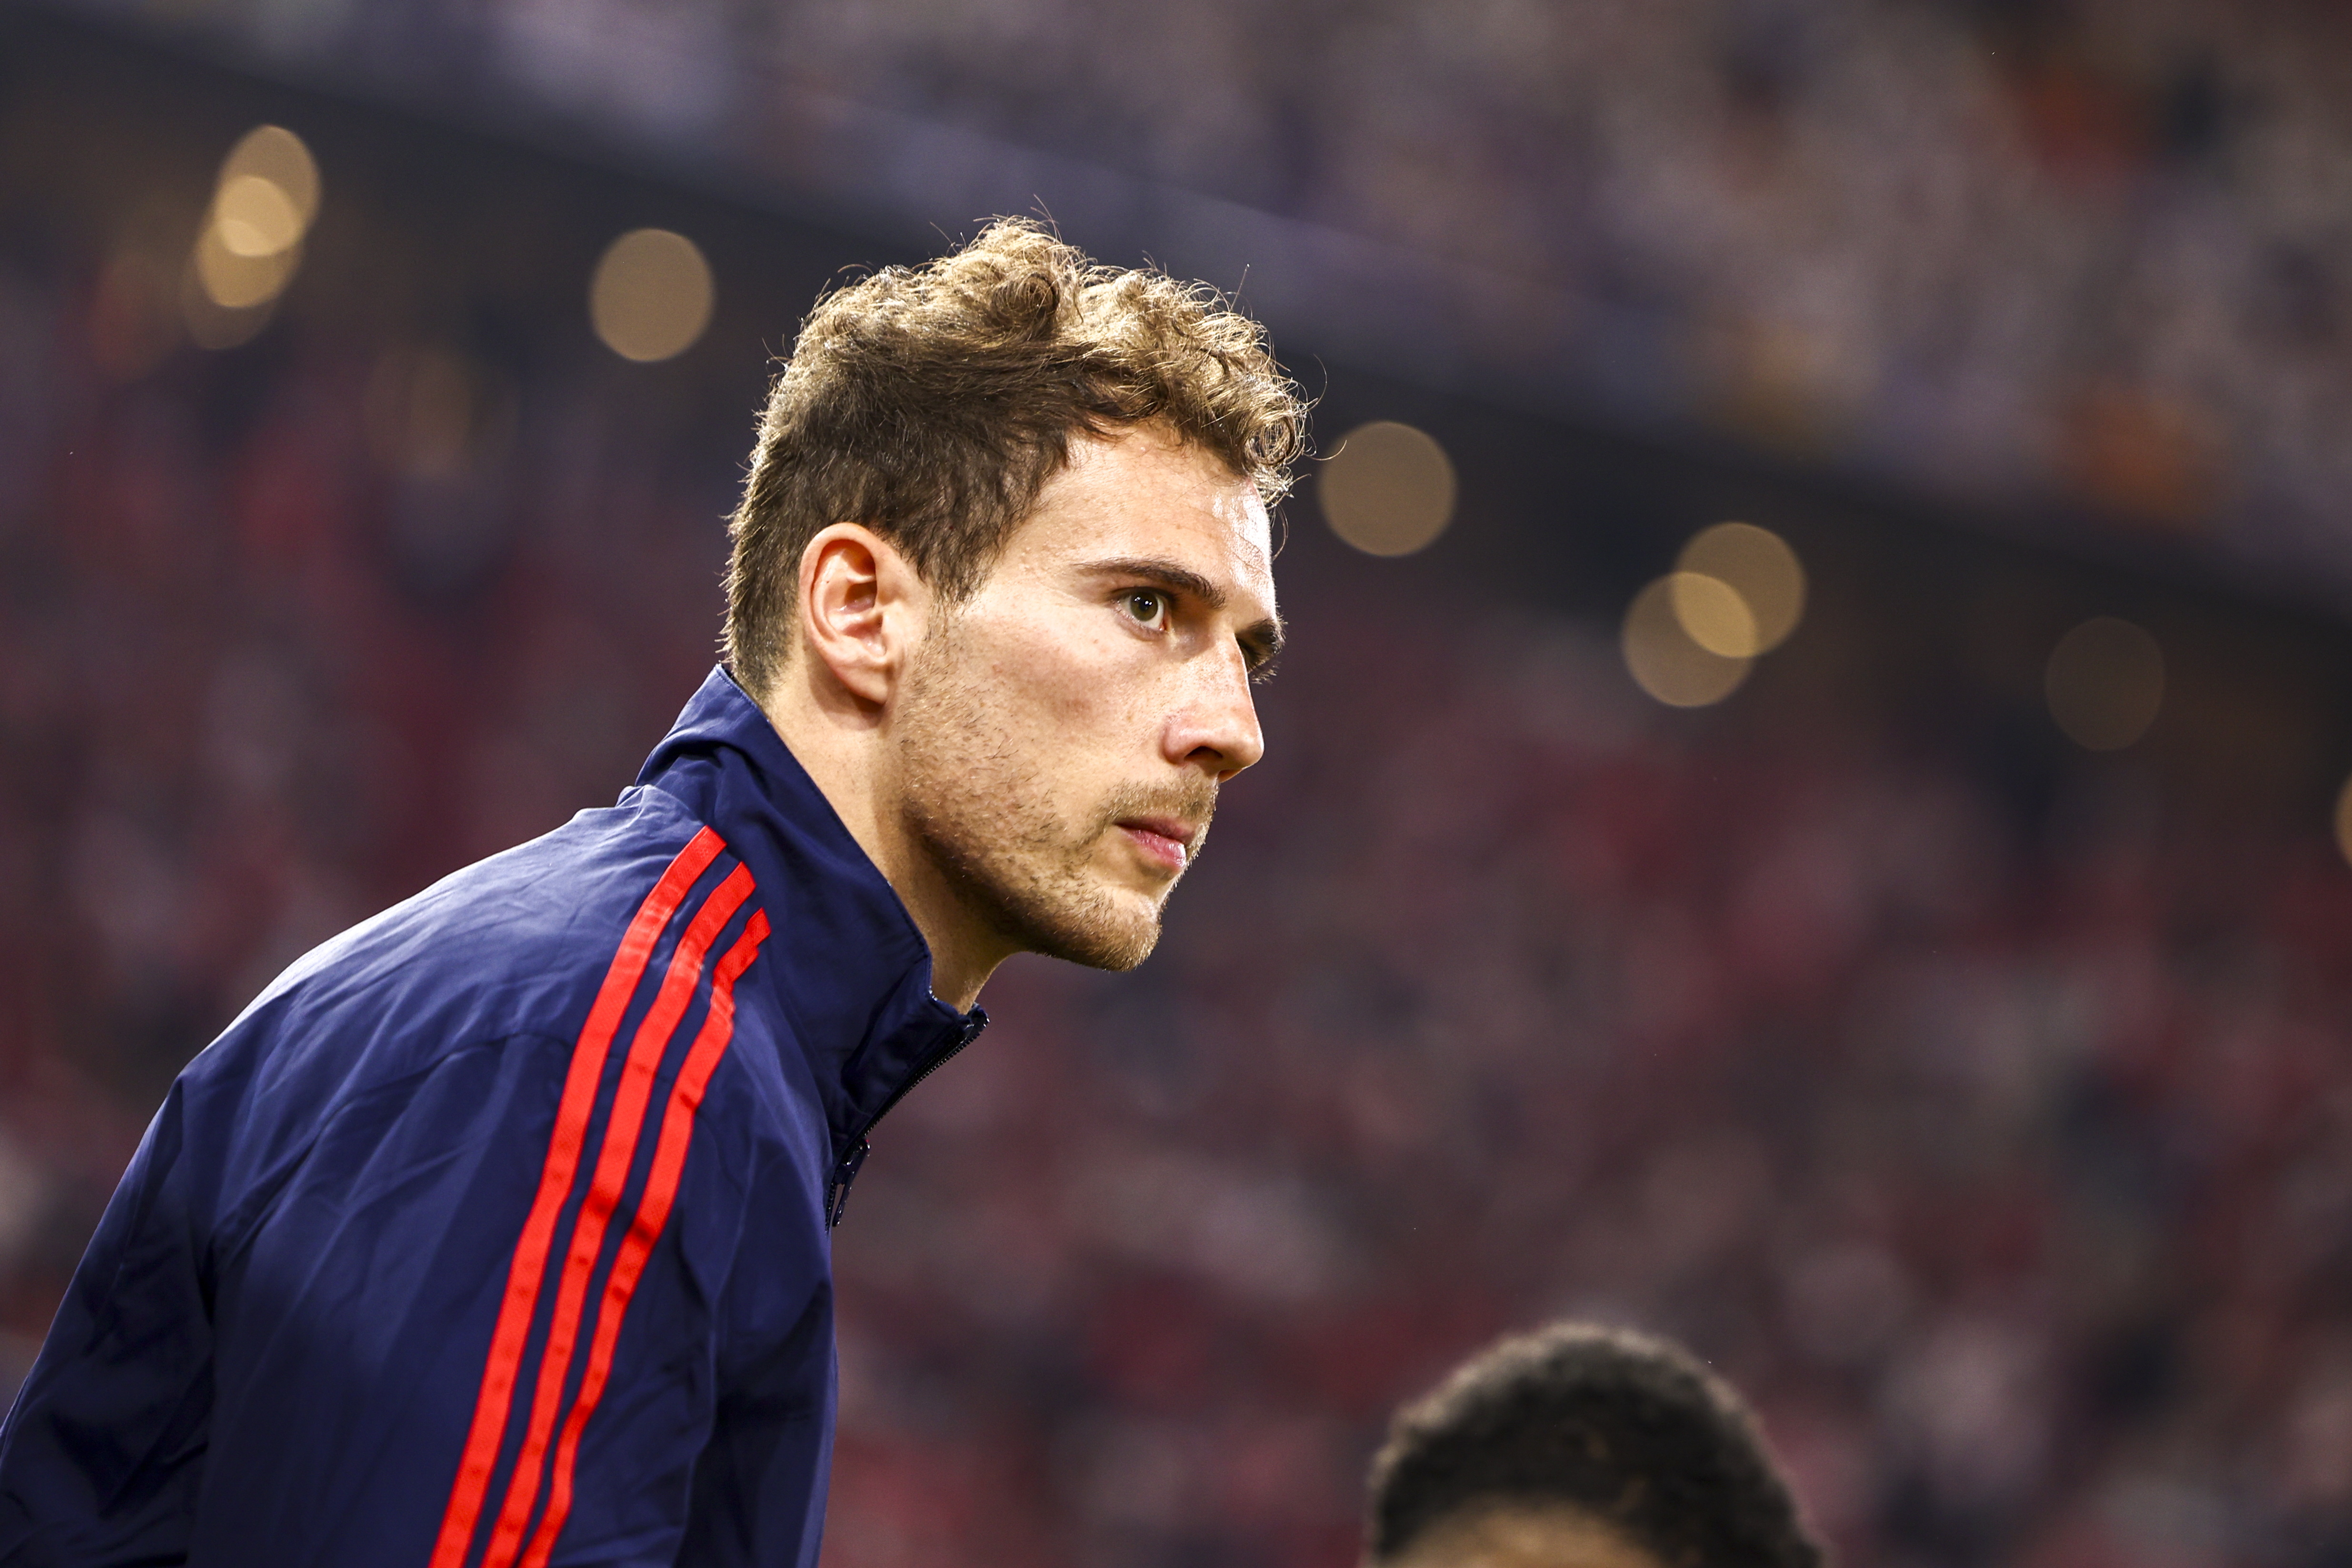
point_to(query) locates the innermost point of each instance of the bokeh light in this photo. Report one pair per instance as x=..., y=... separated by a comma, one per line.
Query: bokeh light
x=255, y=216
x=277, y=156
x=2105, y=683
x=1758, y=566
x=212, y=272
x=651, y=296
x=1712, y=614
x=1662, y=657
x=236, y=281
x=1388, y=489
x=250, y=246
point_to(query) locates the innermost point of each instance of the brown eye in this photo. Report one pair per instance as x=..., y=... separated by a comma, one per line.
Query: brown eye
x=1149, y=608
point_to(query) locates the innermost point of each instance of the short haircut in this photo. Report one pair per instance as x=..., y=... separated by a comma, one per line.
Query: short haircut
x=1628, y=1430
x=931, y=403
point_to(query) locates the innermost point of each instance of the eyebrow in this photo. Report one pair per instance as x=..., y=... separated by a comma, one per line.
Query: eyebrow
x=1261, y=640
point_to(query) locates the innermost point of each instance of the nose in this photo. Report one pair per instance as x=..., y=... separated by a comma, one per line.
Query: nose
x=1216, y=729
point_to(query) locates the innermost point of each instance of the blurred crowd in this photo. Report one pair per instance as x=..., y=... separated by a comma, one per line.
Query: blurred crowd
x=2063, y=257
x=2006, y=1168
x=1999, y=1148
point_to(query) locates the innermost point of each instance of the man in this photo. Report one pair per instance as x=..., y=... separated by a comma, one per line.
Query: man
x=1581, y=1448
x=495, y=1232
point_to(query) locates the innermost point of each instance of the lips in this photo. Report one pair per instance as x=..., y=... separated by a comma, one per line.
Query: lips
x=1163, y=839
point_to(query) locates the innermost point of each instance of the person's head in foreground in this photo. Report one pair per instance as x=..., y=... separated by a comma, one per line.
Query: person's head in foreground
x=1582, y=1447
x=1002, y=577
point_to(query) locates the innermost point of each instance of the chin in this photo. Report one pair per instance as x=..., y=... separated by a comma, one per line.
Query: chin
x=1040, y=897
x=1118, y=959
x=1118, y=944
x=1102, y=929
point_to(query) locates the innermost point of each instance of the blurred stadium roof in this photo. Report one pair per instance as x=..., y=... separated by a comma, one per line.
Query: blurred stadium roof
x=2075, y=271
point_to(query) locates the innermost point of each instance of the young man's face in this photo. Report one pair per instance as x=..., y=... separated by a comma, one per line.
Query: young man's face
x=1062, y=733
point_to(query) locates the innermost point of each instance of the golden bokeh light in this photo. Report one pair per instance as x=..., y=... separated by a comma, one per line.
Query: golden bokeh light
x=651, y=296
x=255, y=216
x=1714, y=616
x=277, y=156
x=2105, y=683
x=1758, y=566
x=250, y=246
x=1662, y=657
x=1388, y=489
x=240, y=282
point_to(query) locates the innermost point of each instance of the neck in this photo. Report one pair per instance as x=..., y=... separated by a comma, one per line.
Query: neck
x=843, y=742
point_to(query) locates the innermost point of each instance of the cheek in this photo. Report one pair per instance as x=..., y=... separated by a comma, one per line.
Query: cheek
x=1073, y=689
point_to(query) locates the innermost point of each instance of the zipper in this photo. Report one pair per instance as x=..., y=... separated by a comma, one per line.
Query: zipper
x=845, y=1170
x=837, y=1199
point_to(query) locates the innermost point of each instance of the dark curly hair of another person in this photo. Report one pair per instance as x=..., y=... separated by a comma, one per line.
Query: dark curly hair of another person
x=931, y=403
x=1628, y=1430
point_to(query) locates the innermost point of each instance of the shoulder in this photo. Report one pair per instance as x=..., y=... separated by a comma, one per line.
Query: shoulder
x=537, y=915
x=520, y=945
x=582, y=987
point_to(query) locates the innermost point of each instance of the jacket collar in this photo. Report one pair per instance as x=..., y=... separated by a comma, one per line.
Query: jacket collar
x=846, y=965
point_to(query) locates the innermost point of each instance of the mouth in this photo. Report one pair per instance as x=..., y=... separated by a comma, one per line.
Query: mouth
x=1163, y=839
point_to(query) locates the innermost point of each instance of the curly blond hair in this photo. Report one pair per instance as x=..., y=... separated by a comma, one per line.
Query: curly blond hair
x=931, y=403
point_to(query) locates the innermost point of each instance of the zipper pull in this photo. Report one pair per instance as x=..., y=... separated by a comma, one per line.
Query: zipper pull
x=843, y=1174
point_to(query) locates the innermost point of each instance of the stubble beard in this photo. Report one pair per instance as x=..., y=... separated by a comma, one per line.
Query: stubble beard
x=983, y=813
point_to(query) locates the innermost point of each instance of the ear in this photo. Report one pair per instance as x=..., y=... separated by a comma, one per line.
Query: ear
x=862, y=609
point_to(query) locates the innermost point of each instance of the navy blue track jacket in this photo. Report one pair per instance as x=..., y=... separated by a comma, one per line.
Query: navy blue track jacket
x=494, y=1233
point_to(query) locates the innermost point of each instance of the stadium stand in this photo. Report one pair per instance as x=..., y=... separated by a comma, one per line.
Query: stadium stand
x=2066, y=260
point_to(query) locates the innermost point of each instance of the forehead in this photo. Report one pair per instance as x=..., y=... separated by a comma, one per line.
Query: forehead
x=1143, y=493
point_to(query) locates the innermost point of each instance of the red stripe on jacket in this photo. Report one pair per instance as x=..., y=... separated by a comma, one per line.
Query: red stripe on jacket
x=563, y=1150
x=623, y=1125
x=702, y=1059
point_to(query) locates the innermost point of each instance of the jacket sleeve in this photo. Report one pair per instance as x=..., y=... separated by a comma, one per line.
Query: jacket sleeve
x=446, y=1329
x=102, y=1453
